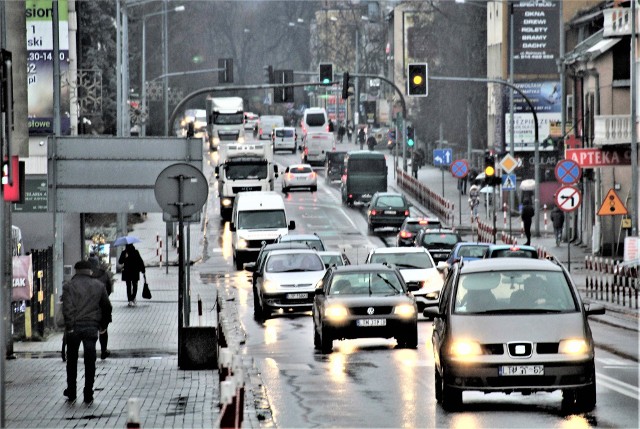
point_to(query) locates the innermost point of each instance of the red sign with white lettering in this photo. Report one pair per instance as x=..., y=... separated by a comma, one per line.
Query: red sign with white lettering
x=595, y=157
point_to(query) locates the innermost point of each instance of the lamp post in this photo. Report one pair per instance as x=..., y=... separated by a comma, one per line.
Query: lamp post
x=143, y=129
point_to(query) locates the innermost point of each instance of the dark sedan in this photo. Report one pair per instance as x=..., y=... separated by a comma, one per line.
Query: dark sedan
x=439, y=242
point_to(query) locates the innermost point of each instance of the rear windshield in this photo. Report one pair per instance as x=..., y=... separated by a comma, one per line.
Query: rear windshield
x=301, y=169
x=284, y=133
x=312, y=244
x=403, y=260
x=335, y=157
x=441, y=238
x=371, y=283
x=472, y=251
x=261, y=219
x=514, y=253
x=367, y=165
x=292, y=262
x=332, y=260
x=416, y=226
x=315, y=119
x=390, y=201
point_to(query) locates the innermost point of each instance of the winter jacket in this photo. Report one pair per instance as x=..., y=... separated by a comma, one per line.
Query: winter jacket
x=132, y=264
x=85, y=303
x=557, y=218
x=527, y=213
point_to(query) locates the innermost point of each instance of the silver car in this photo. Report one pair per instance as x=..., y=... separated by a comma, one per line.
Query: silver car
x=299, y=176
x=513, y=325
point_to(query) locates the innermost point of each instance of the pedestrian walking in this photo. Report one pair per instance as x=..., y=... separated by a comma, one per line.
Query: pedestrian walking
x=361, y=138
x=349, y=131
x=416, y=162
x=132, y=266
x=557, y=219
x=341, y=132
x=102, y=272
x=371, y=142
x=474, y=200
x=86, y=311
x=331, y=126
x=527, y=215
x=462, y=185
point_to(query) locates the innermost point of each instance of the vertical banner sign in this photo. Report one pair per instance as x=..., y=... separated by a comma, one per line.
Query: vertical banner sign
x=40, y=66
x=537, y=36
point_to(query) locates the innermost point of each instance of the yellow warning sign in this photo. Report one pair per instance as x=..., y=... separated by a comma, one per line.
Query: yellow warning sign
x=612, y=205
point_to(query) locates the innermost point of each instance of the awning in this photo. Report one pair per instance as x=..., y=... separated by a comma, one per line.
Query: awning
x=591, y=48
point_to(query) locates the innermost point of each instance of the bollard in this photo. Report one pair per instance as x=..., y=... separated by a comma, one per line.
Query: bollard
x=545, y=217
x=228, y=404
x=224, y=363
x=133, y=413
x=199, y=310
x=504, y=215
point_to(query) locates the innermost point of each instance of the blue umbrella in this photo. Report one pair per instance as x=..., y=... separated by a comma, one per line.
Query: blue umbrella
x=123, y=241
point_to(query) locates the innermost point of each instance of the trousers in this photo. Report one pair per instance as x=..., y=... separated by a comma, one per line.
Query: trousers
x=132, y=289
x=87, y=336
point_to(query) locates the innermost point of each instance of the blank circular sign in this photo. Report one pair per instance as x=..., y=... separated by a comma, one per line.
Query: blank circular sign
x=195, y=189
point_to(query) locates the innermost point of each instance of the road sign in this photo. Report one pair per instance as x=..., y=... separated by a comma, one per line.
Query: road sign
x=568, y=172
x=568, y=198
x=612, y=205
x=508, y=182
x=508, y=163
x=442, y=157
x=459, y=168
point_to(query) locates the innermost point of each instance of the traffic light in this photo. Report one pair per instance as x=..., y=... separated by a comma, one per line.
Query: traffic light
x=345, y=85
x=326, y=73
x=268, y=74
x=285, y=94
x=226, y=74
x=410, y=136
x=417, y=80
x=489, y=169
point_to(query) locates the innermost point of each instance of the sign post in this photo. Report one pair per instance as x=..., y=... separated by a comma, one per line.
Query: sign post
x=442, y=158
x=568, y=199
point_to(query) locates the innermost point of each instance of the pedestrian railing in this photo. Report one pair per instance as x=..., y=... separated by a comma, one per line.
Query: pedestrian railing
x=433, y=202
x=609, y=280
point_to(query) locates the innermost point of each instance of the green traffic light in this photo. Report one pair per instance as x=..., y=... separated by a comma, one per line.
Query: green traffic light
x=326, y=81
x=410, y=142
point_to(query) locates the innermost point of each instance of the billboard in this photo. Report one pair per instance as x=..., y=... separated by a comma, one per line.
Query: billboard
x=39, y=15
x=536, y=36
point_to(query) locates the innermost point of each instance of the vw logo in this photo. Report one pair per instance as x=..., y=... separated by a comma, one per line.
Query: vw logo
x=370, y=311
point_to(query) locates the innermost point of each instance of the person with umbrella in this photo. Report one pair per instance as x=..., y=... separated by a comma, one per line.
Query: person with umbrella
x=132, y=266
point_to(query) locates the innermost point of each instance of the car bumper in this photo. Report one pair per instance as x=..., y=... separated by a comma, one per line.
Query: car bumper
x=486, y=378
x=274, y=301
x=393, y=328
x=300, y=183
x=379, y=221
x=284, y=146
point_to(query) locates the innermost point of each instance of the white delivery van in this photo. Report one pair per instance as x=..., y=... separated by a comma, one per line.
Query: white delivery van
x=268, y=123
x=285, y=138
x=315, y=147
x=314, y=119
x=258, y=218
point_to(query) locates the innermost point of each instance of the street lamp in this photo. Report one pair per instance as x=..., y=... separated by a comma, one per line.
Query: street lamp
x=143, y=129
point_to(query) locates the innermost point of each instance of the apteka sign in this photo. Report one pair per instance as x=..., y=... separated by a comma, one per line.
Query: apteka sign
x=594, y=157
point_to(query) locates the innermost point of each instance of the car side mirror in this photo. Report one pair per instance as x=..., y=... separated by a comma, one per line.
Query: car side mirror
x=232, y=227
x=594, y=309
x=217, y=171
x=432, y=312
x=250, y=266
x=292, y=225
x=319, y=290
x=442, y=265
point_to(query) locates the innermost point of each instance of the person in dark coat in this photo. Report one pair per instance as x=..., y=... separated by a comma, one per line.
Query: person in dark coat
x=102, y=272
x=132, y=266
x=557, y=219
x=361, y=137
x=371, y=142
x=527, y=215
x=87, y=311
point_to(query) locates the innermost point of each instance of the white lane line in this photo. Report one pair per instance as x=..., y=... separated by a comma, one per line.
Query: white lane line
x=618, y=386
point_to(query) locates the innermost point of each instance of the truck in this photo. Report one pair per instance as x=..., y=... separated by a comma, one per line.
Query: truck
x=225, y=121
x=365, y=173
x=244, y=167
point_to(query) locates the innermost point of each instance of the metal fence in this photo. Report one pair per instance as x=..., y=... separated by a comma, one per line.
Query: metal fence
x=433, y=202
x=608, y=280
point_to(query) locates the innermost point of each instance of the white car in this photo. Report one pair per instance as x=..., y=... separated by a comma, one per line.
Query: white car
x=284, y=138
x=420, y=273
x=299, y=176
x=250, y=120
x=287, y=281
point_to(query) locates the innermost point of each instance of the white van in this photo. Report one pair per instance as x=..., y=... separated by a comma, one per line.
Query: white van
x=285, y=138
x=315, y=147
x=258, y=218
x=267, y=123
x=314, y=119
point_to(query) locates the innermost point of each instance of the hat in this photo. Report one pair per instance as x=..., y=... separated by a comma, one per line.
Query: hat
x=82, y=265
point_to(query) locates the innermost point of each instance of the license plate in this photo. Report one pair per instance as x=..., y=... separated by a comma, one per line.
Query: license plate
x=371, y=322
x=521, y=370
x=390, y=212
x=366, y=195
x=297, y=295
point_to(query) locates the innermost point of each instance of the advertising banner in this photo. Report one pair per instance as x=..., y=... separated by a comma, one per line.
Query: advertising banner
x=40, y=66
x=35, y=199
x=22, y=286
x=536, y=34
x=546, y=98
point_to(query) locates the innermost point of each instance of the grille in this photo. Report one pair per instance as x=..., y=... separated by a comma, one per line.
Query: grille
x=362, y=311
x=228, y=137
x=258, y=243
x=547, y=348
x=493, y=349
x=520, y=350
x=297, y=285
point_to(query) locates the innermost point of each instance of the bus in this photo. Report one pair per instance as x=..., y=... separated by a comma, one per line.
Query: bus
x=365, y=174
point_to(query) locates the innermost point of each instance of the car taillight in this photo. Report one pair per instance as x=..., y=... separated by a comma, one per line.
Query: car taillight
x=306, y=151
x=373, y=212
x=312, y=175
x=290, y=176
x=406, y=234
x=406, y=212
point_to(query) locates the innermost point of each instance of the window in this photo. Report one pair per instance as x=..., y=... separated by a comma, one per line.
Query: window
x=367, y=165
x=403, y=260
x=472, y=251
x=261, y=219
x=247, y=171
x=371, y=283
x=315, y=119
x=285, y=133
x=390, y=201
x=441, y=238
x=291, y=262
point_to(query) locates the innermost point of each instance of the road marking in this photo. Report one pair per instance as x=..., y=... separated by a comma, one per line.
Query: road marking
x=618, y=386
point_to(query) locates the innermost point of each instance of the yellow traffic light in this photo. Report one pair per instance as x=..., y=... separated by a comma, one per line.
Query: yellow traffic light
x=489, y=171
x=417, y=80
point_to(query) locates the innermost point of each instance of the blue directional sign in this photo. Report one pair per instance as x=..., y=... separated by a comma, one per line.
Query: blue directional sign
x=568, y=172
x=508, y=182
x=459, y=168
x=442, y=157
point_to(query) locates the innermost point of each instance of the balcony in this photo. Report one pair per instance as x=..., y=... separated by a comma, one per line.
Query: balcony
x=612, y=129
x=617, y=22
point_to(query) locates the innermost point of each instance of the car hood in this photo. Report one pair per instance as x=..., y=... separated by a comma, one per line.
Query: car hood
x=418, y=274
x=506, y=328
x=296, y=279
x=364, y=301
x=261, y=234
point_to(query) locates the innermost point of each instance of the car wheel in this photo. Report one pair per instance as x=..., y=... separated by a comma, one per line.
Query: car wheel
x=437, y=386
x=314, y=188
x=257, y=308
x=451, y=397
x=293, y=150
x=326, y=342
x=410, y=340
x=316, y=338
x=582, y=399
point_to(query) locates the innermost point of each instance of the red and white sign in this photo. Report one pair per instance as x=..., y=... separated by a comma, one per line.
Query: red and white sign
x=568, y=198
x=594, y=157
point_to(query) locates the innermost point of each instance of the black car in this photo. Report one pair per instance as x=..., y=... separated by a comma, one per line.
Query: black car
x=410, y=228
x=363, y=301
x=334, y=165
x=387, y=209
x=439, y=242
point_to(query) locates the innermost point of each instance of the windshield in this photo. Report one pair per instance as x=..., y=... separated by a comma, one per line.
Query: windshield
x=293, y=262
x=514, y=253
x=372, y=283
x=366, y=165
x=284, y=133
x=329, y=260
x=258, y=170
x=512, y=292
x=472, y=251
x=390, y=201
x=261, y=219
x=228, y=119
x=403, y=260
x=441, y=238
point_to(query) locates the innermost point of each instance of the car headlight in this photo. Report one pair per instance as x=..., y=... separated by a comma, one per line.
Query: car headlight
x=240, y=139
x=573, y=346
x=404, y=310
x=216, y=140
x=465, y=348
x=270, y=285
x=226, y=202
x=242, y=243
x=336, y=313
x=433, y=295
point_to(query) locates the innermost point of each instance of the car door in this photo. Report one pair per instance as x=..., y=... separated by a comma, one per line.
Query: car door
x=440, y=322
x=320, y=299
